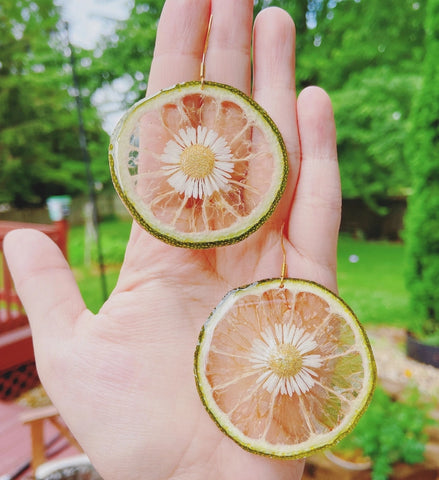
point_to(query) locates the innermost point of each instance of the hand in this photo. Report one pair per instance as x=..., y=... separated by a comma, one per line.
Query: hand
x=123, y=379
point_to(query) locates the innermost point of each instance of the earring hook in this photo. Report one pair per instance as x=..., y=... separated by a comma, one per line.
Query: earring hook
x=284, y=258
x=203, y=60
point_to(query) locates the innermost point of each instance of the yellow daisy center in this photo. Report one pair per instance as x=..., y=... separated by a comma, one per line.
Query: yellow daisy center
x=197, y=161
x=286, y=361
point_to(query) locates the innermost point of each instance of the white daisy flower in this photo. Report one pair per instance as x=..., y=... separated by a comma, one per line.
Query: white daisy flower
x=198, y=162
x=284, y=360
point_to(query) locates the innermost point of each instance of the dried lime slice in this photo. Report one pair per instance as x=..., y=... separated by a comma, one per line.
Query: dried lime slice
x=198, y=165
x=284, y=370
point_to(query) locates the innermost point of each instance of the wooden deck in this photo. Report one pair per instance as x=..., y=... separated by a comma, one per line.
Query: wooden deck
x=18, y=373
x=16, y=445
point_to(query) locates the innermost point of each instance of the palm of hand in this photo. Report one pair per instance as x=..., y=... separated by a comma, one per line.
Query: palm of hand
x=140, y=371
x=123, y=379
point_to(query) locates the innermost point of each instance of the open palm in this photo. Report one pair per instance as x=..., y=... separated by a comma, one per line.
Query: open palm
x=122, y=379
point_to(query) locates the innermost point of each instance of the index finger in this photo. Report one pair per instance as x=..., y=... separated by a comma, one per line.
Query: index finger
x=179, y=45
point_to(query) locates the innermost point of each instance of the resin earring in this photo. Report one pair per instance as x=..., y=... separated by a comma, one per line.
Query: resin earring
x=284, y=367
x=199, y=164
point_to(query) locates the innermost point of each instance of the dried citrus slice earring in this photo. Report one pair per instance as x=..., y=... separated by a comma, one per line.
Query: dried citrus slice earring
x=284, y=367
x=198, y=165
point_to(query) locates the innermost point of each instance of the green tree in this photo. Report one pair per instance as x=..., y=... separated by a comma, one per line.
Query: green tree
x=128, y=51
x=366, y=54
x=39, y=148
x=422, y=221
x=372, y=112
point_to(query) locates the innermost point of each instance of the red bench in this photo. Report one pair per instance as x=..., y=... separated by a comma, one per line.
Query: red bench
x=17, y=362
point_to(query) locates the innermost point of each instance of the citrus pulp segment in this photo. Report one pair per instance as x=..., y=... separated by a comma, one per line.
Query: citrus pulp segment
x=198, y=165
x=284, y=369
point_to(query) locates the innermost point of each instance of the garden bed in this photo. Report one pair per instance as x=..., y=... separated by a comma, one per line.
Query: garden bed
x=396, y=374
x=318, y=467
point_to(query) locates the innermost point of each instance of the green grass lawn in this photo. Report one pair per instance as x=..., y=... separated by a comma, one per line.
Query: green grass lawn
x=114, y=236
x=373, y=285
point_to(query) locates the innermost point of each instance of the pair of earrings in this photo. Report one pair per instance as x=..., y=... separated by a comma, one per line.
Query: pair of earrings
x=282, y=365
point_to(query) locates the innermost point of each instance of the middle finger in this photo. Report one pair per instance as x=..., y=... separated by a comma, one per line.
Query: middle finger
x=229, y=49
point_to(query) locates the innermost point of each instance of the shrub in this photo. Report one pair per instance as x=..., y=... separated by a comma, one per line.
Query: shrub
x=422, y=220
x=389, y=432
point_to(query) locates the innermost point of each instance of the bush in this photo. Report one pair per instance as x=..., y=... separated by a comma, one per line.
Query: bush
x=422, y=220
x=390, y=432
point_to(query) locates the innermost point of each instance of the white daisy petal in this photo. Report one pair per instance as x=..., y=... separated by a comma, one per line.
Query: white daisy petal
x=189, y=187
x=179, y=142
x=196, y=188
x=170, y=169
x=306, y=377
x=210, y=138
x=303, y=386
x=189, y=136
x=295, y=386
x=263, y=376
x=278, y=330
x=201, y=135
x=201, y=189
x=183, y=138
x=172, y=152
x=268, y=336
x=310, y=372
x=221, y=182
x=288, y=333
x=270, y=383
x=305, y=343
x=295, y=335
x=224, y=166
x=209, y=188
x=314, y=361
x=289, y=386
x=178, y=181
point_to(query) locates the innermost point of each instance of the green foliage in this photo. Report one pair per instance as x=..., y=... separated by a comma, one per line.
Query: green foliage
x=366, y=55
x=422, y=221
x=390, y=431
x=127, y=53
x=371, y=111
x=355, y=36
x=39, y=148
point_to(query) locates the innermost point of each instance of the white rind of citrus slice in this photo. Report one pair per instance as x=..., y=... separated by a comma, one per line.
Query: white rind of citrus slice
x=284, y=369
x=197, y=165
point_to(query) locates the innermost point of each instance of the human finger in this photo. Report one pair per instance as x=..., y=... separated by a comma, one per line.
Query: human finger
x=179, y=47
x=180, y=42
x=44, y=283
x=274, y=84
x=228, y=58
x=316, y=211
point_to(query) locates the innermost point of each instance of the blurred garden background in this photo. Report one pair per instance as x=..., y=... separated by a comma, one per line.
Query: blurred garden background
x=60, y=98
x=367, y=54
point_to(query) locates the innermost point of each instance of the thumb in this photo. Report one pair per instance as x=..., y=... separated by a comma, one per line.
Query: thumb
x=44, y=283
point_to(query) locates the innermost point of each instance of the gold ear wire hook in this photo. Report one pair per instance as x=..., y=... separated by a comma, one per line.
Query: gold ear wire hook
x=284, y=259
x=203, y=60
